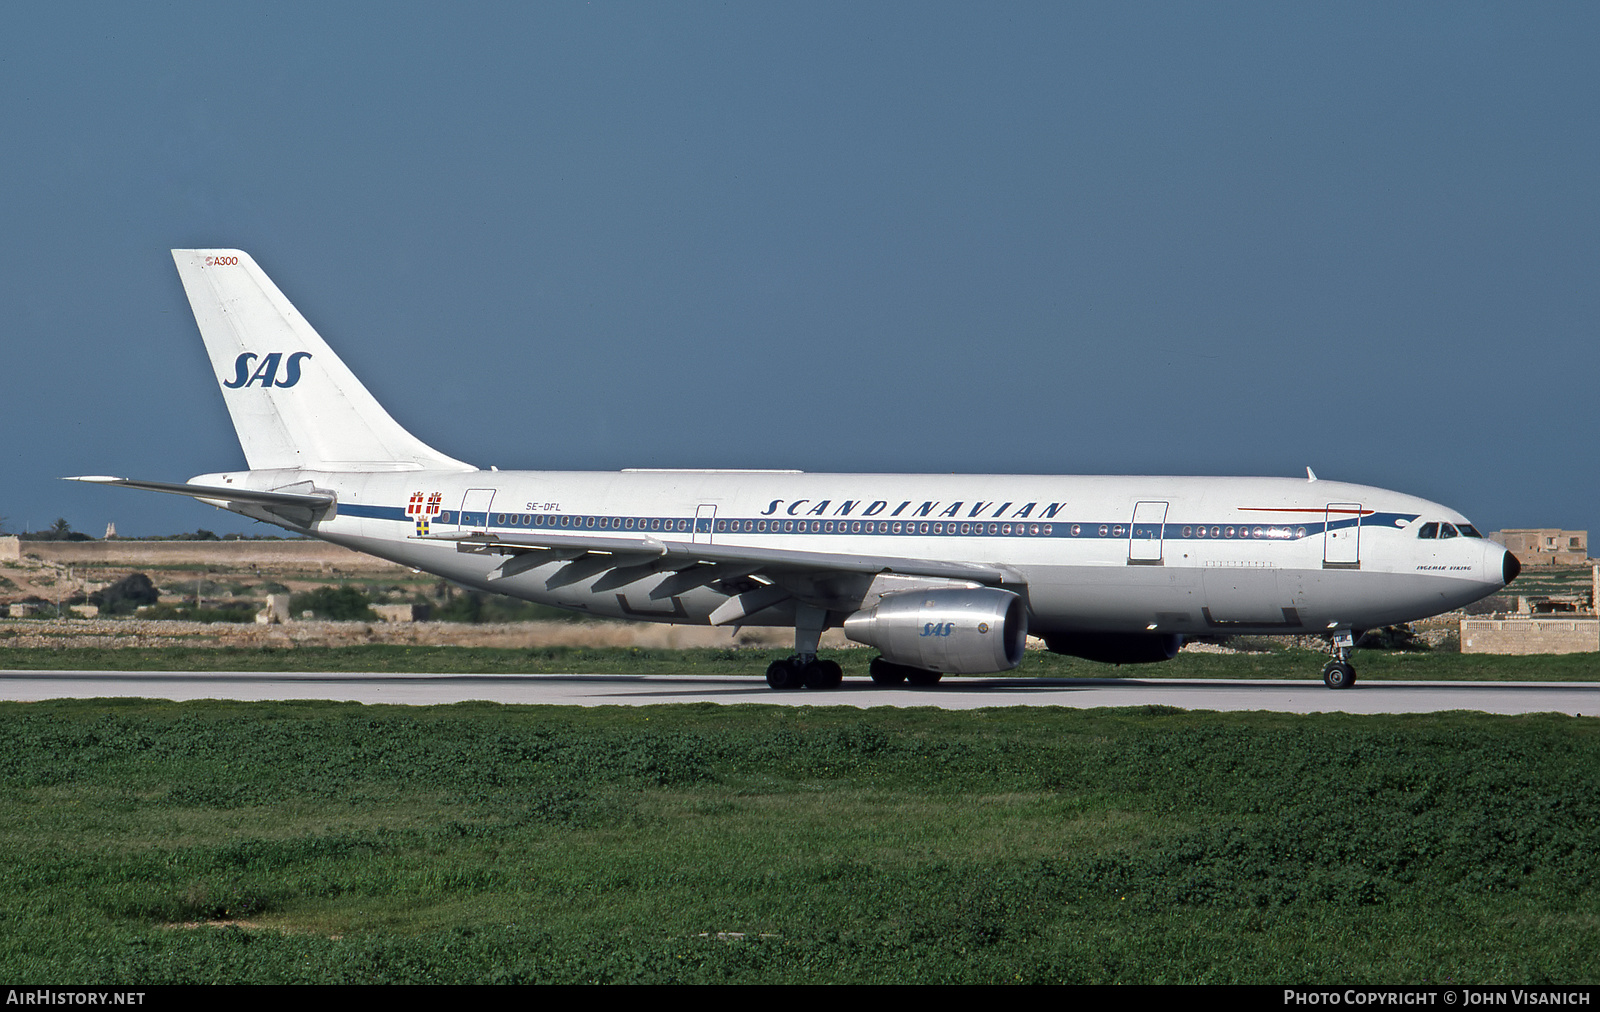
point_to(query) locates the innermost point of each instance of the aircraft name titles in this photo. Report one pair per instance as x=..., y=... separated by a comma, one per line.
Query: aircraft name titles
x=847, y=507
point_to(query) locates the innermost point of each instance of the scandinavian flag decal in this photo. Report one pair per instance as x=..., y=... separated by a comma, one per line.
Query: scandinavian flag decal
x=423, y=508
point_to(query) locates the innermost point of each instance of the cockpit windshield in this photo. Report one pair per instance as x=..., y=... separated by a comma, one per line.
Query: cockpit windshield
x=1437, y=529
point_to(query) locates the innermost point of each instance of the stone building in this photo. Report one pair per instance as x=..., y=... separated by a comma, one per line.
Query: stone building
x=1546, y=546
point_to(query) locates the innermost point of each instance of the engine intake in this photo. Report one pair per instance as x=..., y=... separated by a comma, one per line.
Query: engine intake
x=958, y=631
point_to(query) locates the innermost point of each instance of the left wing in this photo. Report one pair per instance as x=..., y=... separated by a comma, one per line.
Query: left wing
x=757, y=578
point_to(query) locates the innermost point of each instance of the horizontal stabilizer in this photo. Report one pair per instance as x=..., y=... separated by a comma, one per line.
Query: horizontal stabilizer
x=215, y=494
x=295, y=509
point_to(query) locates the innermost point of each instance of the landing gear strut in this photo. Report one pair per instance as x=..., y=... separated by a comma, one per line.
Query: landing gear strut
x=1339, y=673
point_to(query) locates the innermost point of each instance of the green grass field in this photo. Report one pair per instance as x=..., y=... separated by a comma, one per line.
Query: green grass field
x=1272, y=664
x=152, y=842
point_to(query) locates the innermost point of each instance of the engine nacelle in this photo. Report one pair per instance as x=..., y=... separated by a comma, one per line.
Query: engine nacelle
x=957, y=631
x=1116, y=648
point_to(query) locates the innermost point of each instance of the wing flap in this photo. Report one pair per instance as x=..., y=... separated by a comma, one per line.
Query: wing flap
x=742, y=606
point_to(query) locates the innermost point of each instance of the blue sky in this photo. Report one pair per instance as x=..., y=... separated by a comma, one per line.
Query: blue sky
x=997, y=237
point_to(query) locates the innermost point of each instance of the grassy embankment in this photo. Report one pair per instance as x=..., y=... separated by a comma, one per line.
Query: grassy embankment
x=493, y=843
x=1272, y=664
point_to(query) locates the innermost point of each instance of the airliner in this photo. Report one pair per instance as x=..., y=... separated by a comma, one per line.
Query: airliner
x=941, y=574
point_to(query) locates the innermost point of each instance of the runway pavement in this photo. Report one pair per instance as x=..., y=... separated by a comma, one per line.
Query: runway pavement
x=1577, y=698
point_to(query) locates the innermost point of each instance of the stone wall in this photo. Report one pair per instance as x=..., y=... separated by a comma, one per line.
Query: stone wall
x=1530, y=635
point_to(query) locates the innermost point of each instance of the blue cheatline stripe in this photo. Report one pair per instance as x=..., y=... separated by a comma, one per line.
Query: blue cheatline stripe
x=374, y=512
x=1115, y=530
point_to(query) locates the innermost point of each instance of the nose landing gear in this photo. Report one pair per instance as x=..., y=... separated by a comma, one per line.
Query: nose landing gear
x=1339, y=673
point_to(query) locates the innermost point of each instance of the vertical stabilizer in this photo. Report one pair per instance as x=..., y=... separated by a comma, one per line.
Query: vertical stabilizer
x=293, y=402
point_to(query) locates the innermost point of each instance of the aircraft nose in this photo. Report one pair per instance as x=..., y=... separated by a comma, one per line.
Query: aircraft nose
x=1510, y=567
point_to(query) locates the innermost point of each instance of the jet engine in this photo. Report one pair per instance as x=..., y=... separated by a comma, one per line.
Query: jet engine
x=957, y=631
x=1116, y=648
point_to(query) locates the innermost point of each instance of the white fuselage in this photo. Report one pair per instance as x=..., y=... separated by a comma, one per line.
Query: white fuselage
x=1187, y=555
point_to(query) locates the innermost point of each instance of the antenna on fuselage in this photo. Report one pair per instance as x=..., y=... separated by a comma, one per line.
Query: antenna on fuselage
x=1310, y=474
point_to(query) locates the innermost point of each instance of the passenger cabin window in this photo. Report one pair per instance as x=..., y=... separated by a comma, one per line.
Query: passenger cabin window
x=1429, y=531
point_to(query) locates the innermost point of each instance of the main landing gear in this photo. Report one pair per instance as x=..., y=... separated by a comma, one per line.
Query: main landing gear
x=816, y=673
x=1339, y=673
x=813, y=673
x=888, y=673
x=805, y=668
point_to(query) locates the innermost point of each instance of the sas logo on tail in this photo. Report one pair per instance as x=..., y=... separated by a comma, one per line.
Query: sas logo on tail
x=267, y=372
